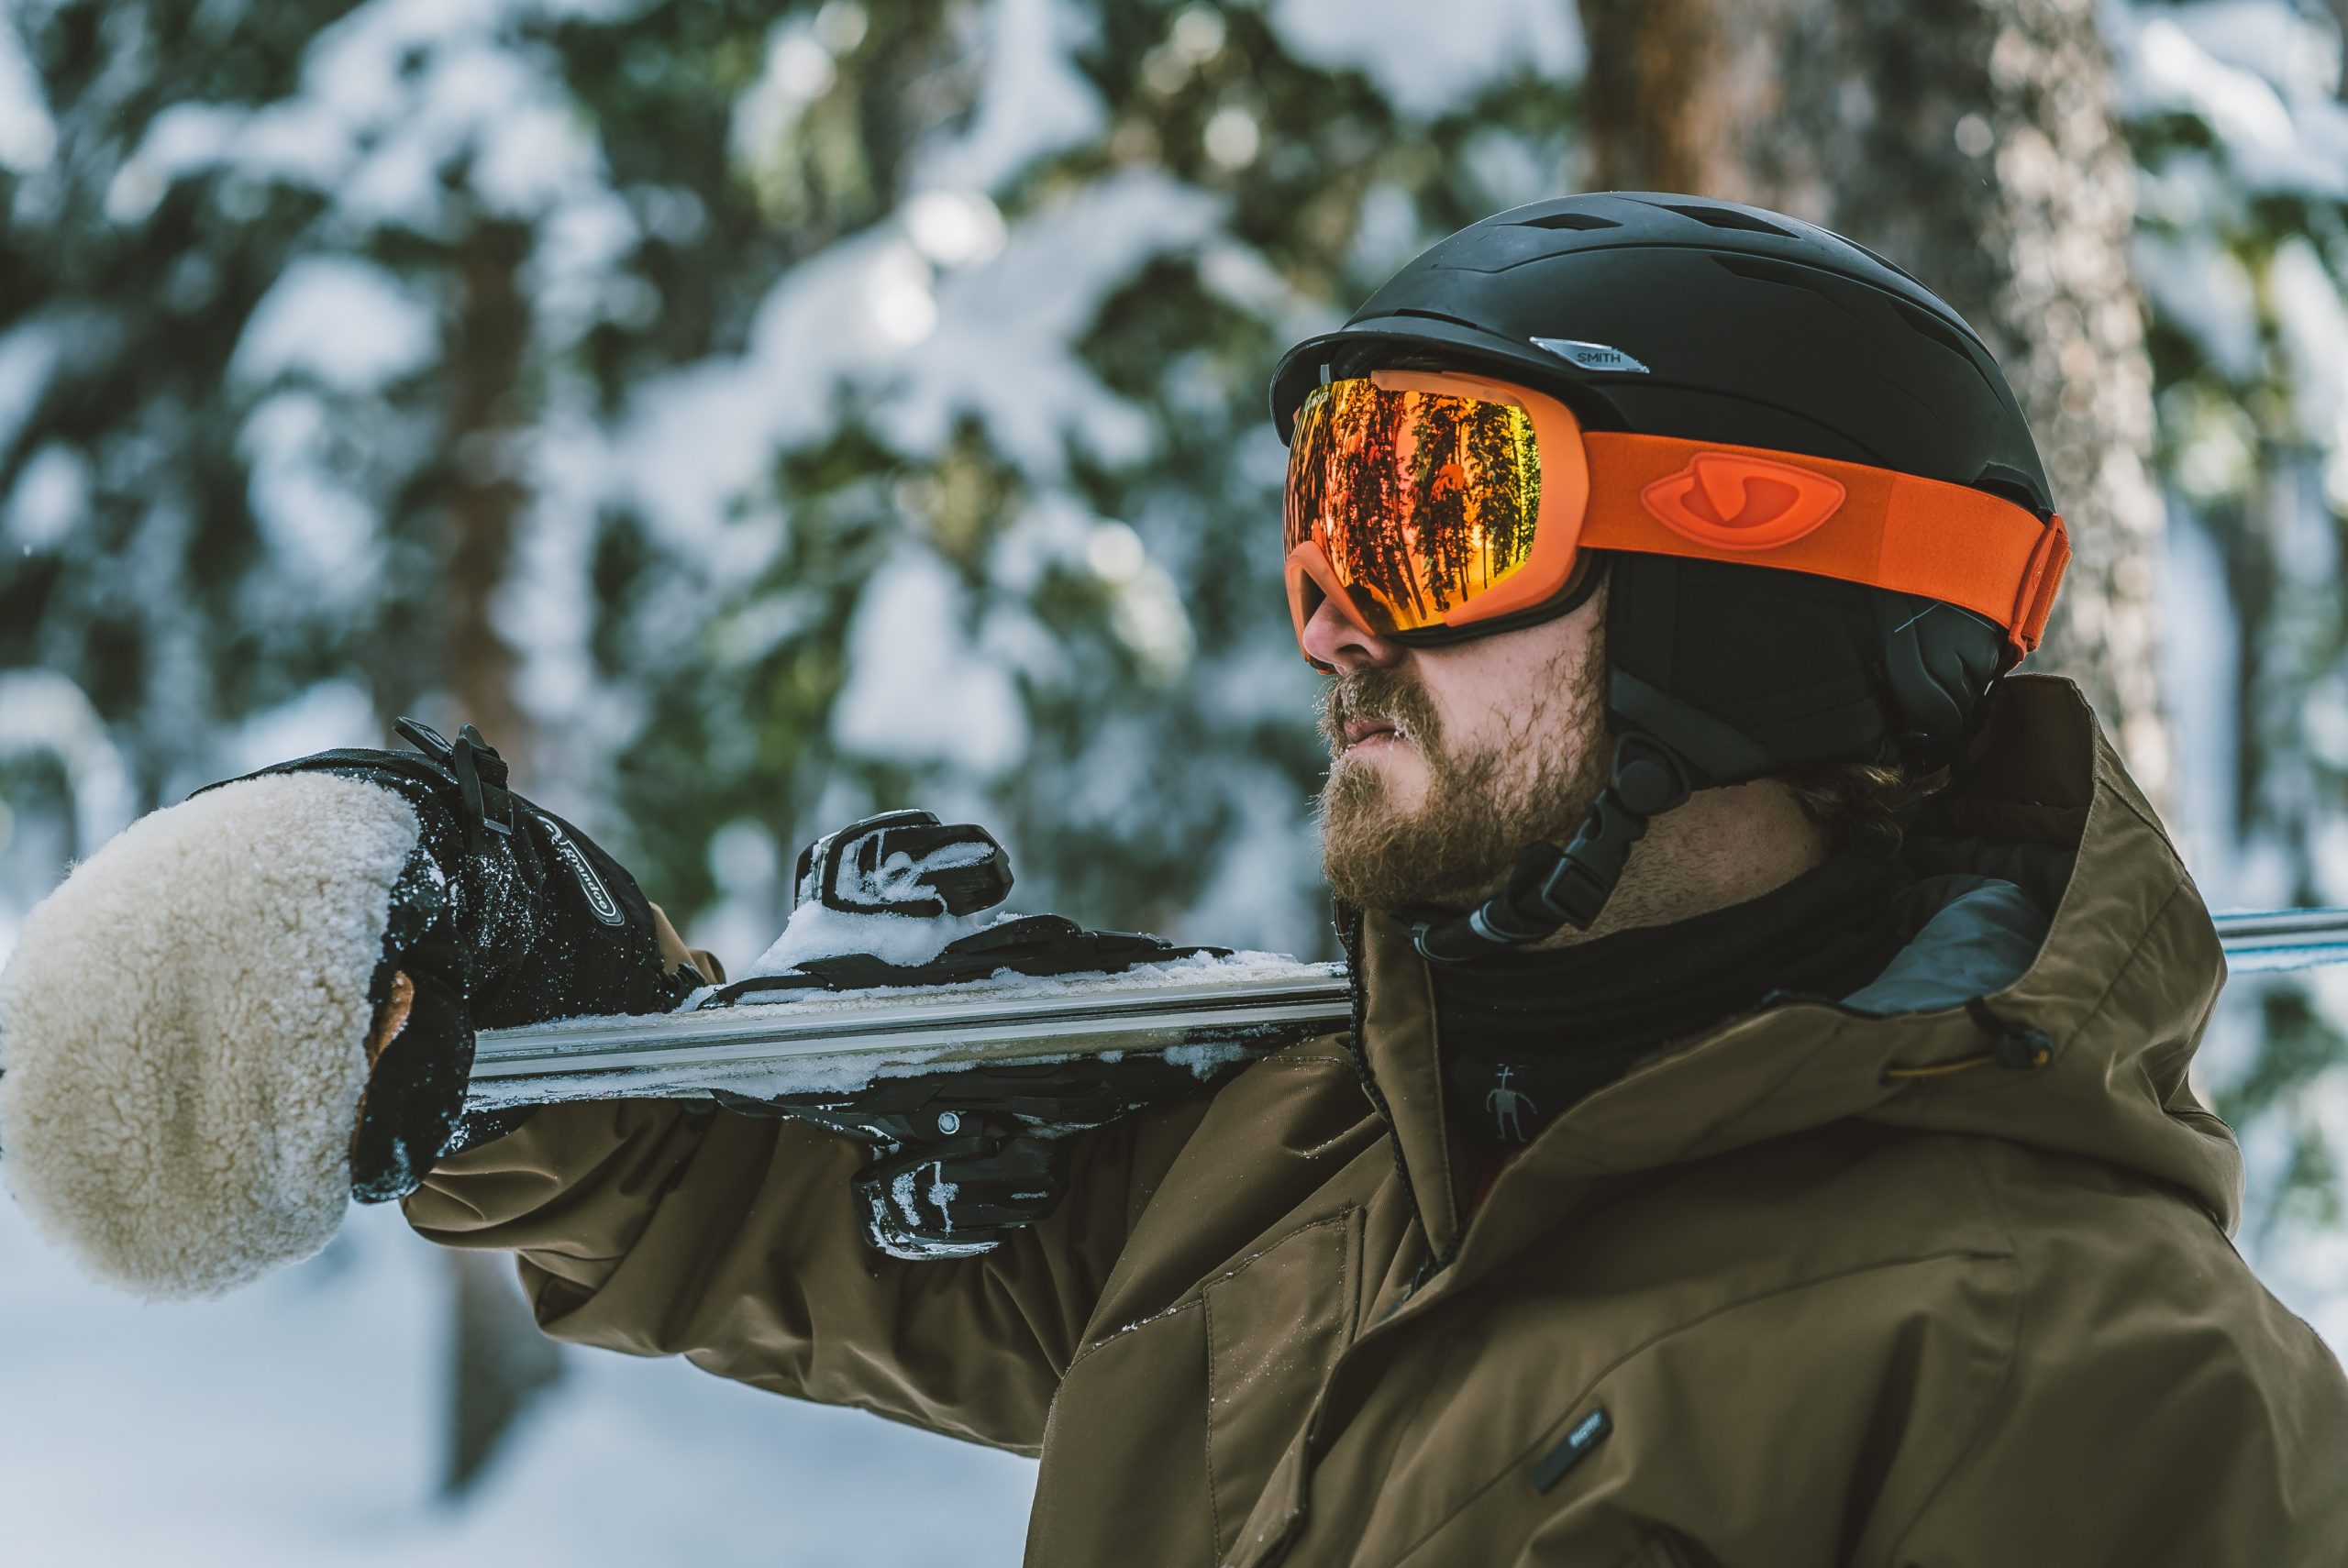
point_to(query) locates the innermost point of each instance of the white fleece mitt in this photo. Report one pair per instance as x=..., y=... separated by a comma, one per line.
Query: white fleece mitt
x=184, y=1028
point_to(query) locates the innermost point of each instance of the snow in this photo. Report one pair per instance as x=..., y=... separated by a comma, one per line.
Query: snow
x=2312, y=325
x=322, y=529
x=1032, y=101
x=44, y=713
x=2200, y=666
x=2255, y=72
x=954, y=228
x=300, y=1422
x=1205, y=1060
x=52, y=495
x=2278, y=42
x=2198, y=285
x=319, y=717
x=917, y=691
x=29, y=357
x=1429, y=59
x=924, y=348
x=27, y=136
x=848, y=1069
x=417, y=84
x=1009, y=323
x=342, y=321
x=818, y=931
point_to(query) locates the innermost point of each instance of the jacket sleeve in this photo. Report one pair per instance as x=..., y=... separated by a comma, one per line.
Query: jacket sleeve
x=731, y=1241
x=648, y=1227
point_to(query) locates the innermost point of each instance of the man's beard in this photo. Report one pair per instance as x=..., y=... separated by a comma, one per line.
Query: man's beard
x=1481, y=809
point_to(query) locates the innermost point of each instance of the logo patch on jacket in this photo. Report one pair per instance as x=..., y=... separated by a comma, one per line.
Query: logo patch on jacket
x=1580, y=1439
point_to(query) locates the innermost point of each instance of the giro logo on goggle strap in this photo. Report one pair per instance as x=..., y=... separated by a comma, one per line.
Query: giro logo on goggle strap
x=1734, y=502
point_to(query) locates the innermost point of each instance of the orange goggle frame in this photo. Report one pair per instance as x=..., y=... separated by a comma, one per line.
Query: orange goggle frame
x=1425, y=506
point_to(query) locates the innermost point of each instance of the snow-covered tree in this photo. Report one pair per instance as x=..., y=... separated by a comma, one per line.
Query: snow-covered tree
x=2241, y=137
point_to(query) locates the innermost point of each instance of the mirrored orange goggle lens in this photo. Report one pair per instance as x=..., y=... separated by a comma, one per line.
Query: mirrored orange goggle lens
x=1420, y=501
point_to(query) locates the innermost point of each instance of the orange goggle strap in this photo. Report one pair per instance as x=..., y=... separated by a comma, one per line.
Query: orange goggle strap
x=1891, y=530
x=1949, y=542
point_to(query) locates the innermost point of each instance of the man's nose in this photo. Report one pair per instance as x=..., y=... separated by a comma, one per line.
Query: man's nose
x=1332, y=640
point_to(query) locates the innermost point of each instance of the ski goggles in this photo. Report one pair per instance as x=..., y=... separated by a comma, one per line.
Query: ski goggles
x=1431, y=506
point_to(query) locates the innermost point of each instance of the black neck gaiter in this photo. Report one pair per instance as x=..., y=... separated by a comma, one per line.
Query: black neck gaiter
x=1524, y=1035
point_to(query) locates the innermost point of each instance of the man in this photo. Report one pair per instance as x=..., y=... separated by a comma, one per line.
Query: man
x=1796, y=1167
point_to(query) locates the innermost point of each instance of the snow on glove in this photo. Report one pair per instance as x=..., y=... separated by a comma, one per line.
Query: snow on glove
x=188, y=1023
x=962, y=1159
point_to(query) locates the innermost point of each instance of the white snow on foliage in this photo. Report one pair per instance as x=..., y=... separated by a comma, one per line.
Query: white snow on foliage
x=317, y=718
x=2202, y=288
x=43, y=714
x=317, y=525
x=917, y=690
x=1009, y=325
x=871, y=319
x=51, y=494
x=2312, y=324
x=1032, y=100
x=29, y=353
x=1430, y=59
x=27, y=136
x=2259, y=75
x=345, y=322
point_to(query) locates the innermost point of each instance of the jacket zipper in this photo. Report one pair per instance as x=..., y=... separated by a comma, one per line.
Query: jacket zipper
x=1349, y=936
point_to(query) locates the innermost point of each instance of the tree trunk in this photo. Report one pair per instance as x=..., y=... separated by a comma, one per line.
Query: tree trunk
x=497, y=1362
x=1972, y=142
x=498, y=1359
x=486, y=495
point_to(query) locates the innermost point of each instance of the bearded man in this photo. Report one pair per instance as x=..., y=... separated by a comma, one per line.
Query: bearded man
x=1764, y=1137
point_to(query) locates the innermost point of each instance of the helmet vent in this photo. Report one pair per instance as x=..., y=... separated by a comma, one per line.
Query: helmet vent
x=1727, y=217
x=1432, y=315
x=1927, y=324
x=1565, y=220
x=1880, y=260
x=1785, y=274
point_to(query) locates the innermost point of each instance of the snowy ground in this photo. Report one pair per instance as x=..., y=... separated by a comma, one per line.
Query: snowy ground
x=299, y=1421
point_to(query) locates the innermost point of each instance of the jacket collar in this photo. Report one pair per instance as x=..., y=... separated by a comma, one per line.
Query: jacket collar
x=2118, y=992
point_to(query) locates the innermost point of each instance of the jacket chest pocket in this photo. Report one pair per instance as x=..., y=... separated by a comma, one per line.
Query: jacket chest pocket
x=1274, y=1326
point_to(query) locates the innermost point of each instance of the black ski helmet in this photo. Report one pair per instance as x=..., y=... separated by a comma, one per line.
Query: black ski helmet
x=1683, y=316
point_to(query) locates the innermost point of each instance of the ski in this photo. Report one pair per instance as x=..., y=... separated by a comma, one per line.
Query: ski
x=1200, y=1012
x=1186, y=1013
x=2259, y=941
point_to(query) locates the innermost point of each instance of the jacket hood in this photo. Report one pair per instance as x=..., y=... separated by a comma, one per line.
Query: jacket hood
x=2061, y=971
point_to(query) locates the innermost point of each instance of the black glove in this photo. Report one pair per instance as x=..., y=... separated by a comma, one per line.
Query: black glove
x=962, y=1158
x=504, y=915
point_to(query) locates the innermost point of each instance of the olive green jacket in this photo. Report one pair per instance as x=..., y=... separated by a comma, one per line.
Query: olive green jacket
x=1934, y=1276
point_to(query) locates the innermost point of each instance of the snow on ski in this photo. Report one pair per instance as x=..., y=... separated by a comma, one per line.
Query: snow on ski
x=1200, y=1012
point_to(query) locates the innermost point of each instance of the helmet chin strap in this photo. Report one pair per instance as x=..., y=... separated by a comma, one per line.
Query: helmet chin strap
x=1553, y=887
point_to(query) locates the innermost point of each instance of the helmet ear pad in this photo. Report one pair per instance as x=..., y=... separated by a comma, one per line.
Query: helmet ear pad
x=1936, y=663
x=1745, y=672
